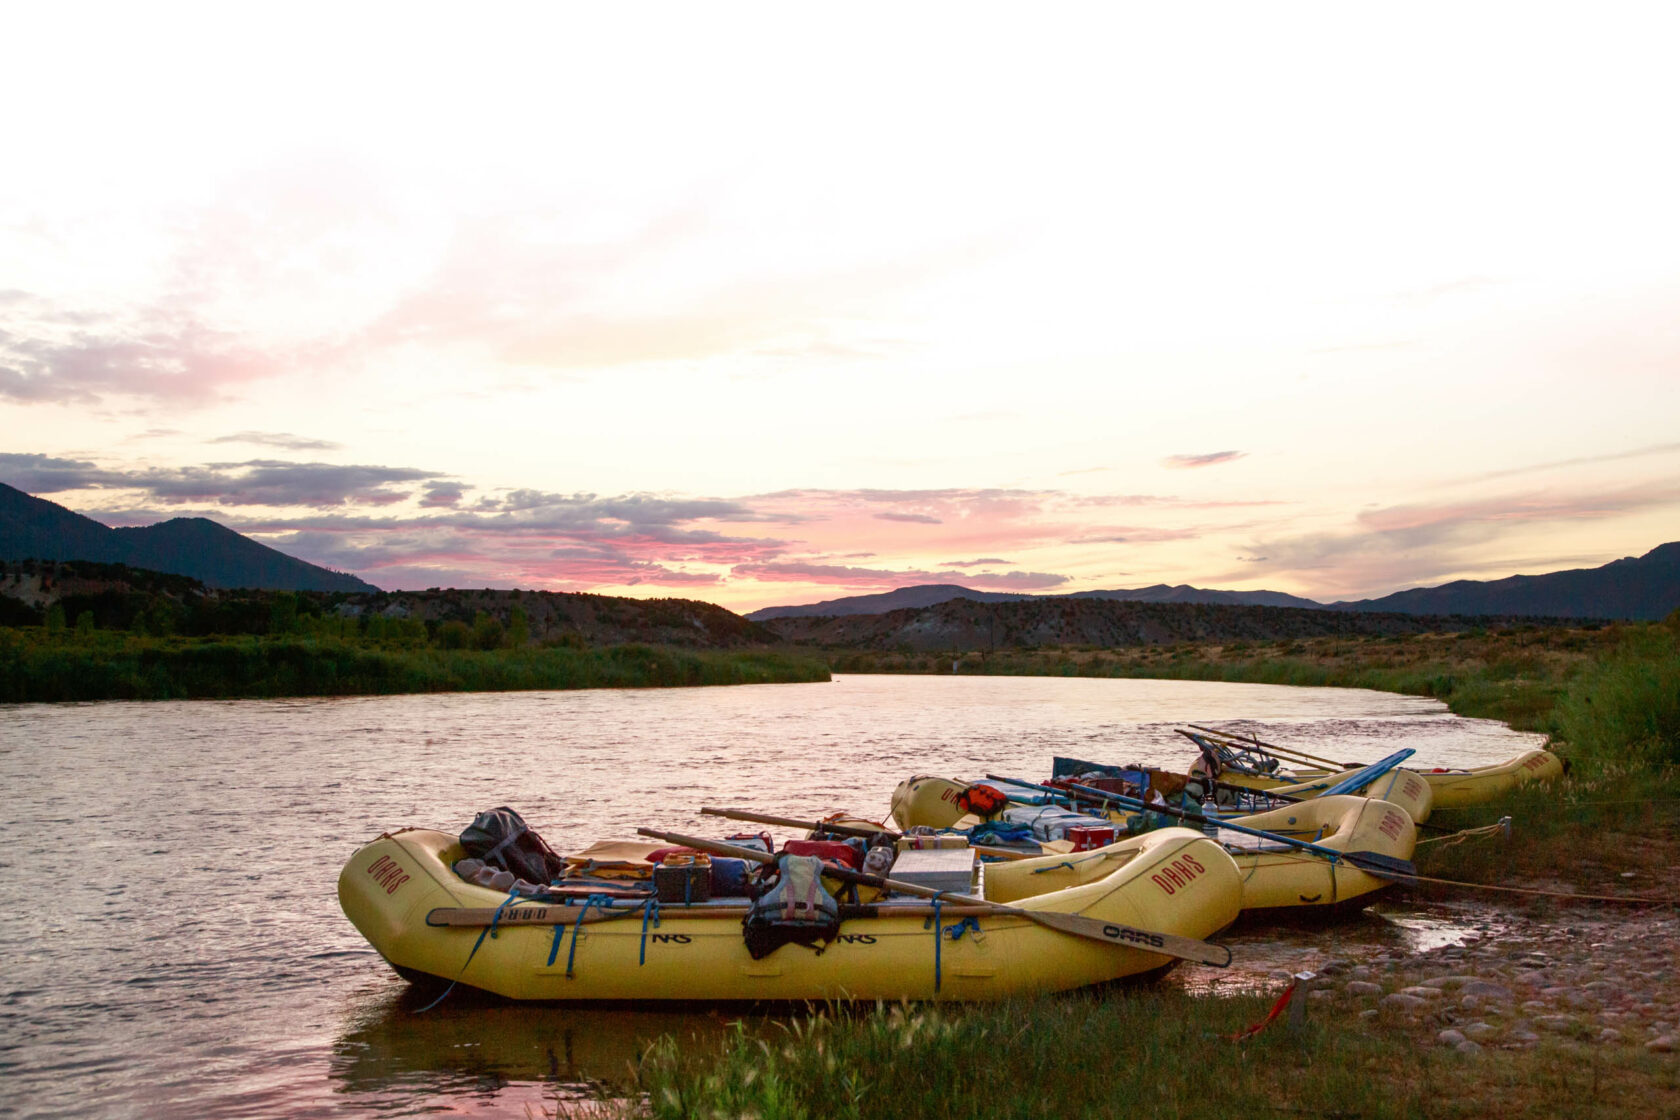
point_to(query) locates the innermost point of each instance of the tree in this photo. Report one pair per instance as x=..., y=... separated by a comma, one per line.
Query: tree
x=487, y=632
x=519, y=629
x=55, y=619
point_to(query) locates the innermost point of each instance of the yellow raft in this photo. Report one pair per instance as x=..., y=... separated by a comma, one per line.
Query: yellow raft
x=1275, y=876
x=1409, y=789
x=1447, y=787
x=1173, y=881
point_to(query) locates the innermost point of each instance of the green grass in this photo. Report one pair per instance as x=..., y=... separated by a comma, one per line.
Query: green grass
x=37, y=666
x=1120, y=1053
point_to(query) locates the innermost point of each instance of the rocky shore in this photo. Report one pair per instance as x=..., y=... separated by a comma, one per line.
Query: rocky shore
x=1603, y=977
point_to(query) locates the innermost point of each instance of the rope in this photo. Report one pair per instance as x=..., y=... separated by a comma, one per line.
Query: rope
x=600, y=902
x=1547, y=894
x=650, y=911
x=937, y=939
x=488, y=931
x=1453, y=839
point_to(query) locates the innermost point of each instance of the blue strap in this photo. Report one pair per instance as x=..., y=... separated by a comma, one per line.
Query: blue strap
x=970, y=924
x=489, y=930
x=600, y=902
x=937, y=939
x=650, y=912
x=1067, y=863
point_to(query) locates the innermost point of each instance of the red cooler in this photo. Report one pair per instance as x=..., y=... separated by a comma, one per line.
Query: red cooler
x=1086, y=837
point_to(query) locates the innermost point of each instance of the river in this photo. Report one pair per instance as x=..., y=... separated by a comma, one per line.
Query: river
x=170, y=930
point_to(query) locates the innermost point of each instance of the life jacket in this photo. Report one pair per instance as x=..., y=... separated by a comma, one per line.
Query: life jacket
x=981, y=800
x=796, y=909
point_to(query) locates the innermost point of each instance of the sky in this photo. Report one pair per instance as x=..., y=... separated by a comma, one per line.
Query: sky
x=771, y=304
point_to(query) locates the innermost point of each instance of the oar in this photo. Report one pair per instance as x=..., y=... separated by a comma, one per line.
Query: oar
x=1111, y=933
x=476, y=917
x=1272, y=748
x=1374, y=862
x=845, y=830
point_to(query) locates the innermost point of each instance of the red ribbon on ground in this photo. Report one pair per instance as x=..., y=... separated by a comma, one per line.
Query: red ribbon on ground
x=1277, y=1009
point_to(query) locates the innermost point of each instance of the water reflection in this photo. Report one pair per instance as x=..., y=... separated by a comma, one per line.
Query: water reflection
x=194, y=960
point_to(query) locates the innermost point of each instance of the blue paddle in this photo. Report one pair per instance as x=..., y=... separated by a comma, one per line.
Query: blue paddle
x=1374, y=862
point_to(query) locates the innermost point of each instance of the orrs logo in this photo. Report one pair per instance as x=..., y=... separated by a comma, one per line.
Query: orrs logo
x=388, y=874
x=1177, y=874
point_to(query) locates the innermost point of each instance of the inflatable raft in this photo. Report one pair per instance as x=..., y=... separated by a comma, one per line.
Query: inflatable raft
x=401, y=893
x=1267, y=767
x=1276, y=876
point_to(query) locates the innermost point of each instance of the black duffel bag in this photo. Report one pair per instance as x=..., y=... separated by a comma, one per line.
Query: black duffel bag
x=501, y=838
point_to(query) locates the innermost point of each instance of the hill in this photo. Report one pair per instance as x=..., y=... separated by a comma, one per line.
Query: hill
x=35, y=529
x=1645, y=588
x=930, y=594
x=962, y=624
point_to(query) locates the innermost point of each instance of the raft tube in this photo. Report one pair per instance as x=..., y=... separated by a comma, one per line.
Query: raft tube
x=1173, y=881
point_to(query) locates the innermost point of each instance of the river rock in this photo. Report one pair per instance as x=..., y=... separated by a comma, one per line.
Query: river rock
x=1403, y=1003
x=1480, y=1032
x=1663, y=1044
x=1609, y=1034
x=1362, y=988
x=1487, y=989
x=1421, y=992
x=1449, y=1037
x=1468, y=1047
x=1556, y=1023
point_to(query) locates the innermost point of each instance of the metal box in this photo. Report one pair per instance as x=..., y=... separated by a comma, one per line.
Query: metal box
x=940, y=869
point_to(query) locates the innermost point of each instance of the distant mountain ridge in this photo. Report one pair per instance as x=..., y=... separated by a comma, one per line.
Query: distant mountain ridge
x=34, y=528
x=1644, y=588
x=932, y=594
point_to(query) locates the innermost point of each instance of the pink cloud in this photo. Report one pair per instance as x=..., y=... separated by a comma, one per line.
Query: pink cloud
x=1190, y=462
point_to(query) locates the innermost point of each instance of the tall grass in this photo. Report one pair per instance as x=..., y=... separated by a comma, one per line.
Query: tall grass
x=1626, y=707
x=1115, y=1054
x=39, y=667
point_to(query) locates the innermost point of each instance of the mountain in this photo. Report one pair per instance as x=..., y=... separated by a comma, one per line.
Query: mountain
x=905, y=598
x=932, y=594
x=1644, y=587
x=1047, y=622
x=34, y=528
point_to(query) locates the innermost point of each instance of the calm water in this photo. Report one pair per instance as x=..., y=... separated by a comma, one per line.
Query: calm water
x=169, y=927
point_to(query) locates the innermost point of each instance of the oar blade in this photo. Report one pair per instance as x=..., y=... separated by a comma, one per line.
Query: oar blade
x=1379, y=864
x=1167, y=944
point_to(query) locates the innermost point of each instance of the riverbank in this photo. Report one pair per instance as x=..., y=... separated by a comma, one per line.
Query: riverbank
x=39, y=666
x=1551, y=1006
x=1538, y=1007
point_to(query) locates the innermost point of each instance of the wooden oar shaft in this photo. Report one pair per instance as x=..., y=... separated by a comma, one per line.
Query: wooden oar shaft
x=1272, y=748
x=1111, y=933
x=809, y=826
x=477, y=917
x=844, y=829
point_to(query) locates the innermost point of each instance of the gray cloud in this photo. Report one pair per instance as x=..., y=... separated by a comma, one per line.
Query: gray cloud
x=911, y=518
x=283, y=440
x=972, y=563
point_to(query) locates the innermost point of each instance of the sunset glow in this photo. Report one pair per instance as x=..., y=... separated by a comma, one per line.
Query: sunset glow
x=765, y=305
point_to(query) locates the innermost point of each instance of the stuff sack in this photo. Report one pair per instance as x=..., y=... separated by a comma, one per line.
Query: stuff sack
x=501, y=838
x=795, y=909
